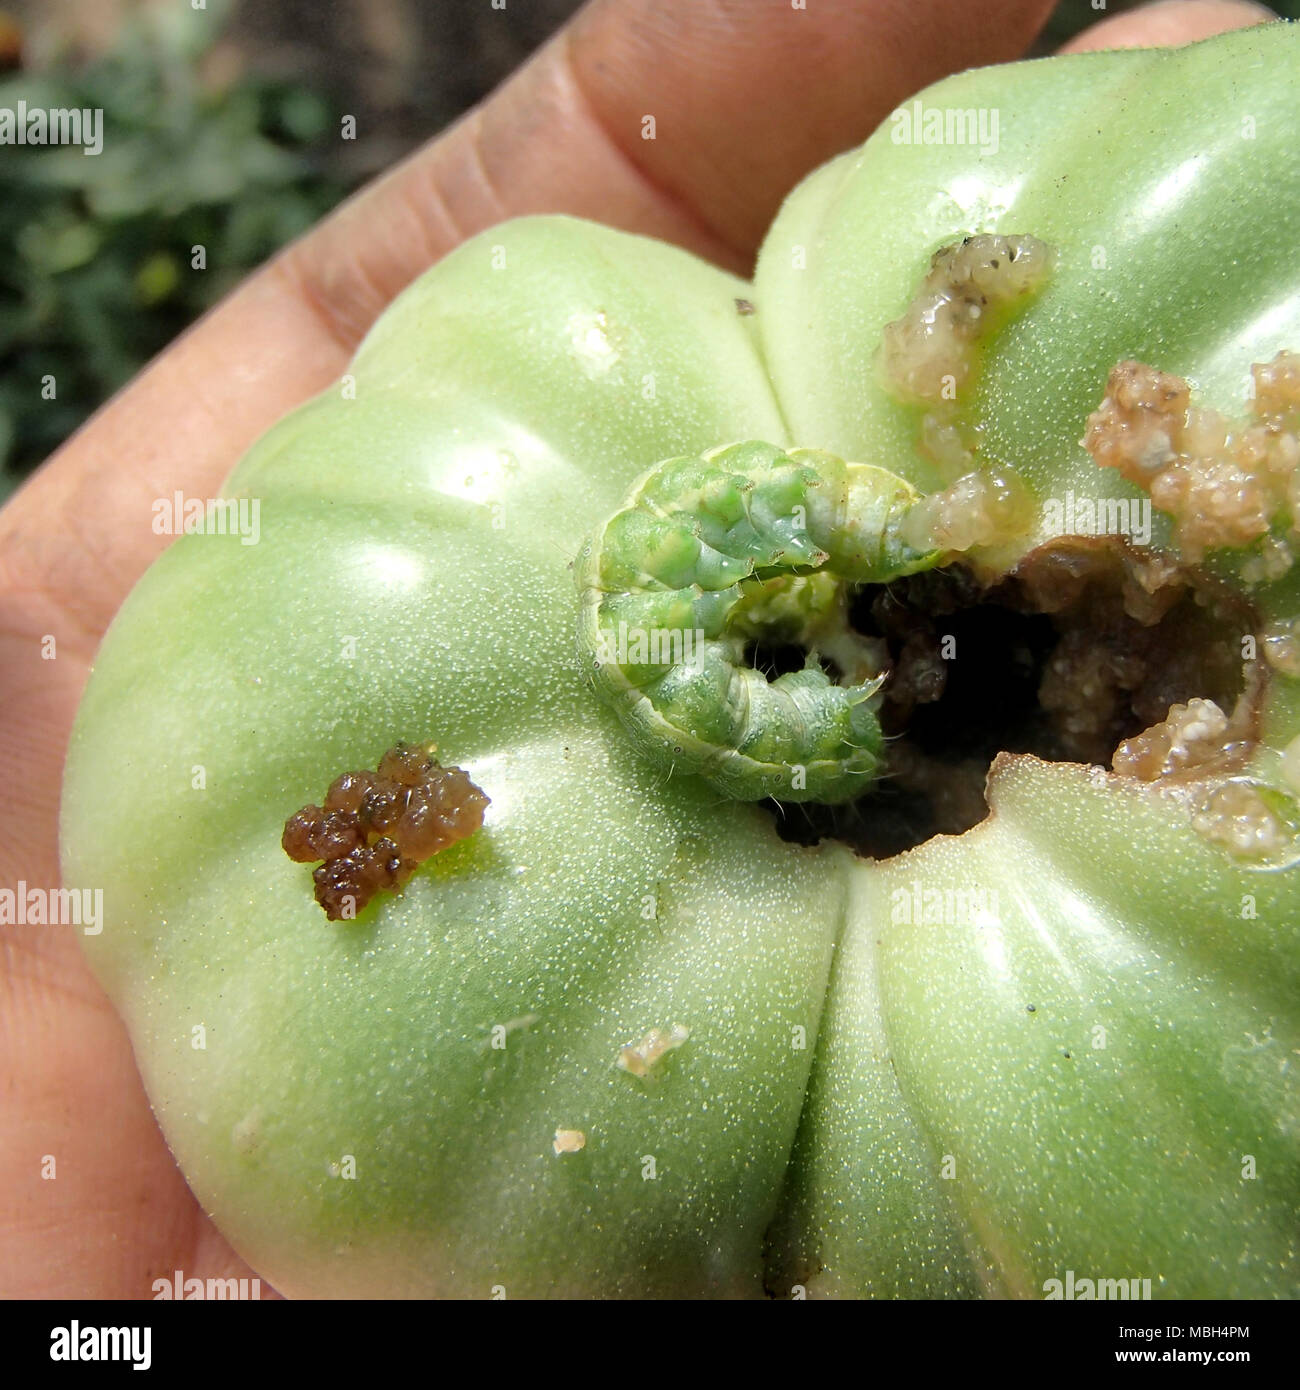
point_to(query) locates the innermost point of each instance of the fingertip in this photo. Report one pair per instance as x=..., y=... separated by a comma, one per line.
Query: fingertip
x=1170, y=22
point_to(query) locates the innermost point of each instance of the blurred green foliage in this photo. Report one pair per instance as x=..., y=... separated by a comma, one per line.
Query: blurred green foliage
x=96, y=251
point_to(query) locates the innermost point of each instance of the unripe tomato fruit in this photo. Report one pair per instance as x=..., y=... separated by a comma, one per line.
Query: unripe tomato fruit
x=1097, y=1075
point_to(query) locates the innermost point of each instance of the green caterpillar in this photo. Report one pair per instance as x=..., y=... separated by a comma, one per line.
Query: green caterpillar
x=747, y=541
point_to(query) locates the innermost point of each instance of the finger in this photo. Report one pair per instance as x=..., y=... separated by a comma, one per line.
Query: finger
x=1169, y=22
x=688, y=121
x=94, y=1205
x=747, y=99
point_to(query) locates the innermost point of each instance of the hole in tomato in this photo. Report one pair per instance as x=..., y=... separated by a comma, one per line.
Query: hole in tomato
x=1084, y=648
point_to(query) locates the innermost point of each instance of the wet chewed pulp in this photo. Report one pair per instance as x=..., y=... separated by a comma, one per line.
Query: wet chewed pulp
x=1225, y=483
x=376, y=828
x=931, y=357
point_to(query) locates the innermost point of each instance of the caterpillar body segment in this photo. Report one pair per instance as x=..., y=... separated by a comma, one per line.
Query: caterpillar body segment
x=746, y=543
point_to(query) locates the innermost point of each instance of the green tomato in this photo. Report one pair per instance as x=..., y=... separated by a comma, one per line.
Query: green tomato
x=865, y=1101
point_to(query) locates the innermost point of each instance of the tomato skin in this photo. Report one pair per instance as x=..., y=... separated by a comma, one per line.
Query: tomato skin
x=869, y=1101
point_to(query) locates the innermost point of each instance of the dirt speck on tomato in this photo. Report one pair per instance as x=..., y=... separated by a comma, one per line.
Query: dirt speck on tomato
x=569, y=1141
x=639, y=1058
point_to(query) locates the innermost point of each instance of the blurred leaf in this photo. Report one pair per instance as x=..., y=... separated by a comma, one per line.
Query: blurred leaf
x=157, y=278
x=58, y=243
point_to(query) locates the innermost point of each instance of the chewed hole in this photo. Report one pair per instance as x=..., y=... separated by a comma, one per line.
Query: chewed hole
x=1085, y=645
